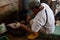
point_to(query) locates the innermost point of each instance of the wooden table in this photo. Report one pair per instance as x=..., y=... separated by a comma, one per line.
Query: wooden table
x=11, y=37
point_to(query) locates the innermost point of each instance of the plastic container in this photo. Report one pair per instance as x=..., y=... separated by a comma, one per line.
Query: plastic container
x=4, y=38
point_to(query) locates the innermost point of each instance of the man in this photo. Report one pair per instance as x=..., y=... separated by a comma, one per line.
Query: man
x=43, y=20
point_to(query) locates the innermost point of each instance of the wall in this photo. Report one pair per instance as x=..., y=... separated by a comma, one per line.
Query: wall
x=6, y=5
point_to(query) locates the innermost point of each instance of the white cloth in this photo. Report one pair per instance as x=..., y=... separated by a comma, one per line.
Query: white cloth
x=53, y=0
x=40, y=20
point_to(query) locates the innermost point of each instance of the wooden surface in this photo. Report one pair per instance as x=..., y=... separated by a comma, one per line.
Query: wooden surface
x=11, y=37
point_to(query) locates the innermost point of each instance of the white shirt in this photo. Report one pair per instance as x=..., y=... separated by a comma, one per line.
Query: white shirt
x=40, y=20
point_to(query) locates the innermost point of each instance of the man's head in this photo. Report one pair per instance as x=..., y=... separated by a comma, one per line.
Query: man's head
x=33, y=4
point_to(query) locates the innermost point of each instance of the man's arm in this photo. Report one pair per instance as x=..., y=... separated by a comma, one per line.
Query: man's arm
x=29, y=17
x=26, y=28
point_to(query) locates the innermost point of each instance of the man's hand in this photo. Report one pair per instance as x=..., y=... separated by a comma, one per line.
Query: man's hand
x=22, y=26
x=26, y=28
x=22, y=22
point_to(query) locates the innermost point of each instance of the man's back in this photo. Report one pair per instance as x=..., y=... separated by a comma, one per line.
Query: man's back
x=51, y=21
x=40, y=20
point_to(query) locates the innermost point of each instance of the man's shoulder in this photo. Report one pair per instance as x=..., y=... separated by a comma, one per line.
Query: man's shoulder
x=44, y=4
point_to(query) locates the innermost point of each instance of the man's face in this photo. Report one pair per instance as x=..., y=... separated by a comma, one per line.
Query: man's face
x=35, y=11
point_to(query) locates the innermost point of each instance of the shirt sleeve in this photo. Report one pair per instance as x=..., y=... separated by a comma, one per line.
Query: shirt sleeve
x=35, y=27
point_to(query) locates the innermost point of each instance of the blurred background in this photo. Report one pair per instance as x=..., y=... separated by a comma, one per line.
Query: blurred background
x=16, y=10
